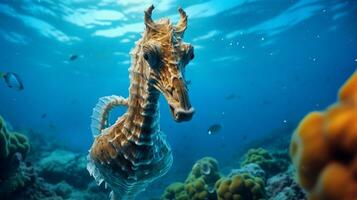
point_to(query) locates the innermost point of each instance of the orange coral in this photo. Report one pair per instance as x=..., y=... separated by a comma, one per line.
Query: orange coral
x=324, y=149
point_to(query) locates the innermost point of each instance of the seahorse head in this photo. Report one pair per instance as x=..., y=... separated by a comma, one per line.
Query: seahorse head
x=166, y=55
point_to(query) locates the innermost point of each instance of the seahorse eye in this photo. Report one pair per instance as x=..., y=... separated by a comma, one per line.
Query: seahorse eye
x=146, y=56
x=192, y=56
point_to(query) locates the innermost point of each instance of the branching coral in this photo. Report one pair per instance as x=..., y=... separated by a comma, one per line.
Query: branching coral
x=11, y=142
x=240, y=187
x=324, y=149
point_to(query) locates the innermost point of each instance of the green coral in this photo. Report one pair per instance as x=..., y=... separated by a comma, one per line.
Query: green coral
x=11, y=142
x=240, y=187
x=262, y=158
x=13, y=172
x=199, y=184
x=176, y=191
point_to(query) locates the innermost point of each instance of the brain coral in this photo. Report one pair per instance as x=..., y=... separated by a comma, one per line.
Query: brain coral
x=240, y=187
x=324, y=149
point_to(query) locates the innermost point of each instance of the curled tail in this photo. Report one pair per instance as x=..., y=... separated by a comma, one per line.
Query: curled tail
x=101, y=111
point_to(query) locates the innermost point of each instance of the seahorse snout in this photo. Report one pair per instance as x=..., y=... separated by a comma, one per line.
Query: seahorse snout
x=181, y=115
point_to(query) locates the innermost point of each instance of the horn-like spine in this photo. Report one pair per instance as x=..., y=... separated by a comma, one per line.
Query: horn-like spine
x=148, y=20
x=182, y=24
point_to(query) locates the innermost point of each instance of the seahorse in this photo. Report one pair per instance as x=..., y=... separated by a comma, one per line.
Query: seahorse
x=133, y=152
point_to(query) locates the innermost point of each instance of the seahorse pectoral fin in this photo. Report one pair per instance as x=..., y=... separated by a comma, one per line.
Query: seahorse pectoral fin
x=100, y=114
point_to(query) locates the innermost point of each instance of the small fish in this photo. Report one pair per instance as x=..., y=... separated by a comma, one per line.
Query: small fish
x=73, y=57
x=52, y=126
x=215, y=128
x=230, y=96
x=12, y=80
x=44, y=115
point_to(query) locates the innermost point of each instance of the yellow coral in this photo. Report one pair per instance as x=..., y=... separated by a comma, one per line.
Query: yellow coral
x=175, y=191
x=199, y=184
x=324, y=149
x=240, y=187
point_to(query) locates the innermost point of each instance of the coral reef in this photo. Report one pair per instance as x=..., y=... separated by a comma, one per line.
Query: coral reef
x=176, y=191
x=11, y=143
x=283, y=187
x=64, y=165
x=199, y=184
x=324, y=148
x=265, y=160
x=14, y=172
x=239, y=187
x=205, y=182
x=251, y=168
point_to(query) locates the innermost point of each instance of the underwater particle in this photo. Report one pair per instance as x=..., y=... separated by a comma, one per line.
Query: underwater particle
x=73, y=57
x=356, y=60
x=243, y=47
x=262, y=38
x=215, y=128
x=12, y=80
x=285, y=121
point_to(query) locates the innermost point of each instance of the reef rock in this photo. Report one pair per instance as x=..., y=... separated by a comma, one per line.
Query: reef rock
x=61, y=165
x=283, y=187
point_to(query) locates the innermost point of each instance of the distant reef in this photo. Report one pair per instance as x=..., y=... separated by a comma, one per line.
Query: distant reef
x=45, y=174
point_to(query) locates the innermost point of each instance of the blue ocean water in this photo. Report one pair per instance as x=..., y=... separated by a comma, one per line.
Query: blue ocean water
x=259, y=66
